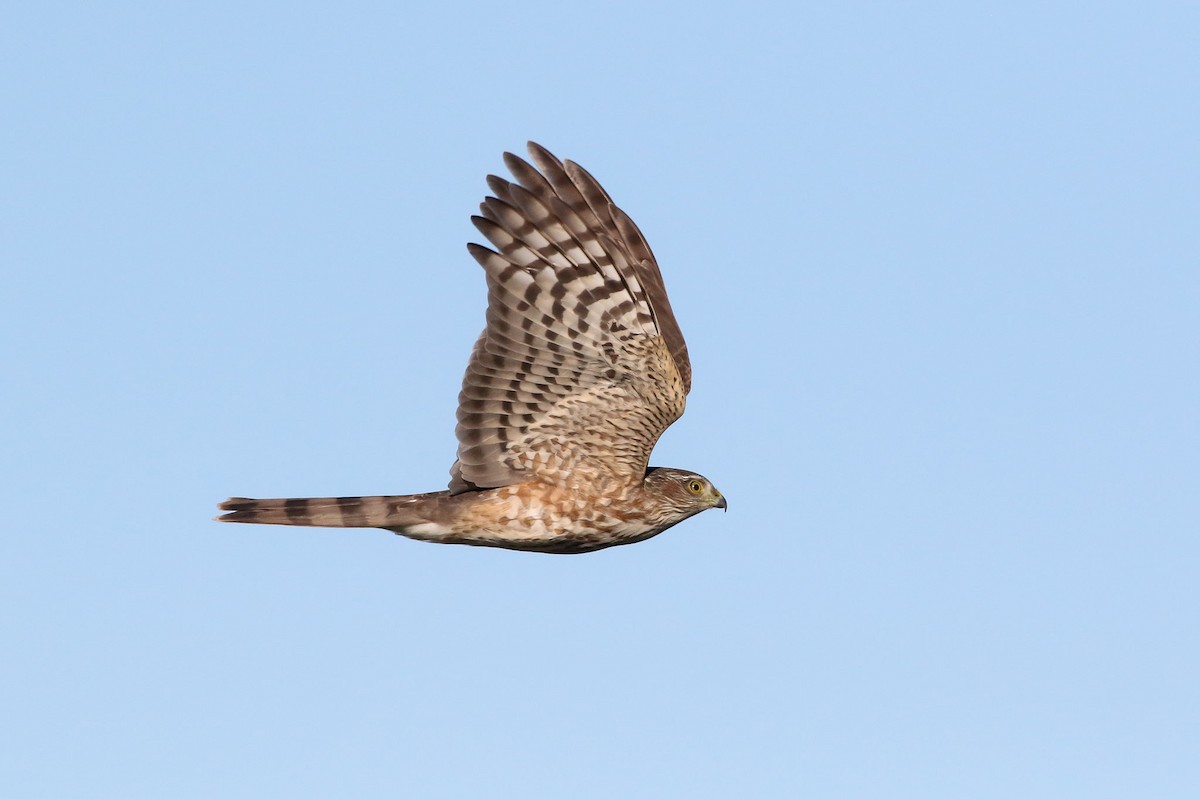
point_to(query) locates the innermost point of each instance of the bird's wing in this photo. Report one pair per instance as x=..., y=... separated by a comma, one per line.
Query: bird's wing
x=582, y=365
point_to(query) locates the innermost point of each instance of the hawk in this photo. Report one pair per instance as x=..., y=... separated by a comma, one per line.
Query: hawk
x=580, y=369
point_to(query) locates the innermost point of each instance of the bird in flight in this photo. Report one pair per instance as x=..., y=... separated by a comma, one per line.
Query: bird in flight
x=580, y=369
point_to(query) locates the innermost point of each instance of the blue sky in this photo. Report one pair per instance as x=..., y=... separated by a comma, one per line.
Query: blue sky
x=939, y=271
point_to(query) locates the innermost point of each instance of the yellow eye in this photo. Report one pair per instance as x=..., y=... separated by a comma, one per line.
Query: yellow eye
x=695, y=486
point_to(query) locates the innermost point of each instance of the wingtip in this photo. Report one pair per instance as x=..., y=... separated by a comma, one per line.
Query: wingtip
x=497, y=184
x=512, y=161
x=541, y=156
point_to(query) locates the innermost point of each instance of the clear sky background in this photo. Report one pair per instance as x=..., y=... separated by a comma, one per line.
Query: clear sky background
x=939, y=268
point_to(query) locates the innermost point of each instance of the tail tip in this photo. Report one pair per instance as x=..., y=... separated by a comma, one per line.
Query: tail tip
x=239, y=510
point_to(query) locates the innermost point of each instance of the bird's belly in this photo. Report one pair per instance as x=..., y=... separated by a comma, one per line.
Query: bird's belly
x=515, y=522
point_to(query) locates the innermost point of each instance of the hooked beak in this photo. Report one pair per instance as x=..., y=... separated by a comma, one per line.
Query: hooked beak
x=722, y=504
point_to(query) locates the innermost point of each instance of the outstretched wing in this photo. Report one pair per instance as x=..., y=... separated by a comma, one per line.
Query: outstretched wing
x=582, y=365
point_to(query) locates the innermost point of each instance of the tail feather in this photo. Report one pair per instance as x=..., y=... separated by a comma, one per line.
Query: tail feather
x=391, y=511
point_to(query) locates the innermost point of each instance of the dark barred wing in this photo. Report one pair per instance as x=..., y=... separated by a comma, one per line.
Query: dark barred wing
x=582, y=364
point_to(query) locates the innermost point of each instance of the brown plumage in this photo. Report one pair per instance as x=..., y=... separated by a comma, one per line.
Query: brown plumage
x=580, y=369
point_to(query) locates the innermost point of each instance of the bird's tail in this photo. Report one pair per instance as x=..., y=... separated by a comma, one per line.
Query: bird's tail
x=392, y=512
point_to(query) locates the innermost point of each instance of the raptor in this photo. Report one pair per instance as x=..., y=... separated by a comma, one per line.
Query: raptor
x=580, y=369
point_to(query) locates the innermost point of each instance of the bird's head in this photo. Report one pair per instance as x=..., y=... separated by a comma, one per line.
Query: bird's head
x=682, y=493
